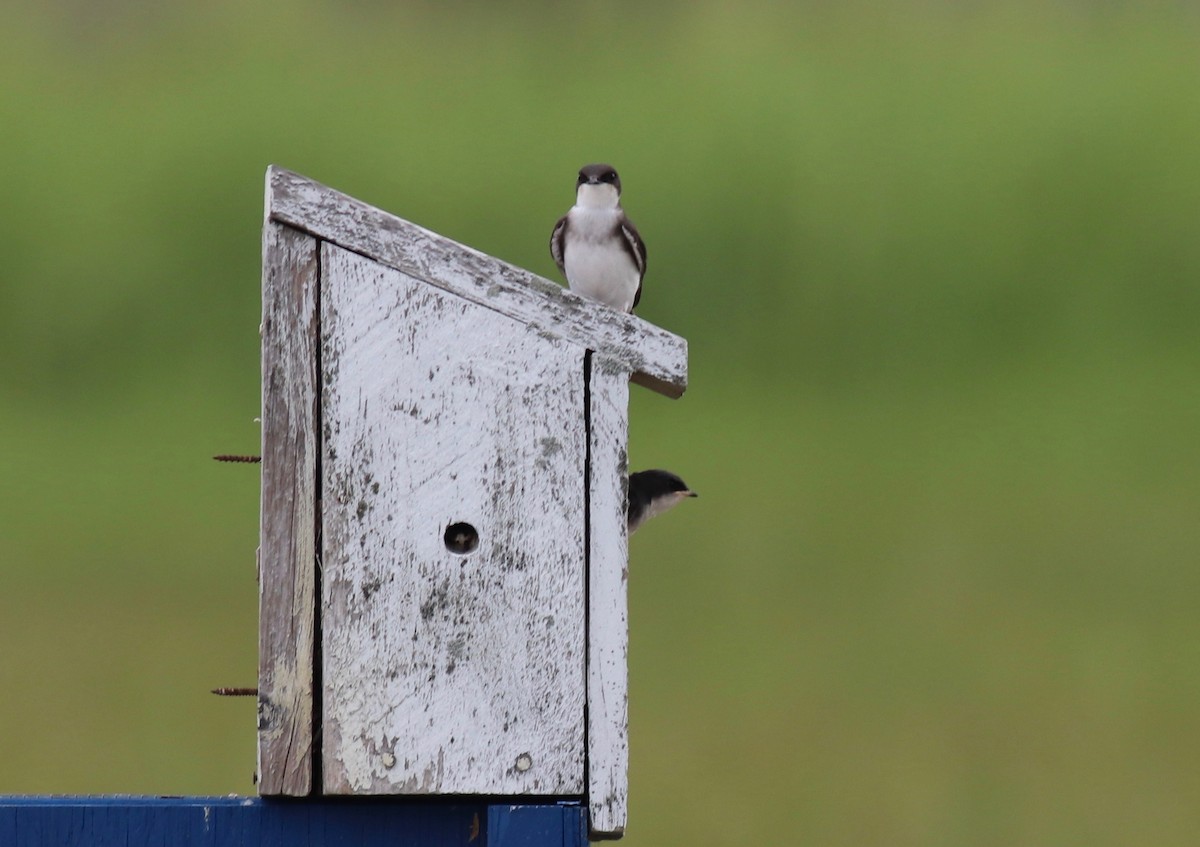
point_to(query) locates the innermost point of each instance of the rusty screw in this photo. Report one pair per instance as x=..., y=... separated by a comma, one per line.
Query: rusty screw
x=236, y=692
x=224, y=457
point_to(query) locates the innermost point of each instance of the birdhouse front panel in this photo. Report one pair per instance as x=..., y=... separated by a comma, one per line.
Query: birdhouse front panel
x=452, y=489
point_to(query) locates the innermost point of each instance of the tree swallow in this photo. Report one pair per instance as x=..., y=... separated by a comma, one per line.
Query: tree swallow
x=596, y=247
x=652, y=493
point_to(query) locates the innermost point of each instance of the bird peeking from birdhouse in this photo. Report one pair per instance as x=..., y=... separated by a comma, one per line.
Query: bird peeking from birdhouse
x=596, y=246
x=653, y=492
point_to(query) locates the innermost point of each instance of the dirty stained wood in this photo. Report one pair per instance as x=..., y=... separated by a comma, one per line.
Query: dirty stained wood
x=288, y=520
x=608, y=630
x=448, y=673
x=656, y=358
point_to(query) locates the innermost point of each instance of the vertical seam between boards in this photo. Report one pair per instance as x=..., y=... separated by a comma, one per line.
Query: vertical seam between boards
x=587, y=568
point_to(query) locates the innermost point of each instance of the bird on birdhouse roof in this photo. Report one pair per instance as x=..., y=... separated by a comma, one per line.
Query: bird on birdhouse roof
x=596, y=246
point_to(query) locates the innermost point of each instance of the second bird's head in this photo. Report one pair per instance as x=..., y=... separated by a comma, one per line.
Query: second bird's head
x=598, y=186
x=652, y=493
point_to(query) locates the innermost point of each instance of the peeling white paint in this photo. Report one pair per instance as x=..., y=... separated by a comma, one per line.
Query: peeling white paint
x=608, y=627
x=439, y=411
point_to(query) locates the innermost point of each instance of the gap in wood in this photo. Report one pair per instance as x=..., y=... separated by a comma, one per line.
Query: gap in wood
x=587, y=556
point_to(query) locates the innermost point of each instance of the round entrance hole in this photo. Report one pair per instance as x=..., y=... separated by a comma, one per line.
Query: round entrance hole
x=461, y=538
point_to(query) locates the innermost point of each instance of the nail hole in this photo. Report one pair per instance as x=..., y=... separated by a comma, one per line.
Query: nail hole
x=461, y=538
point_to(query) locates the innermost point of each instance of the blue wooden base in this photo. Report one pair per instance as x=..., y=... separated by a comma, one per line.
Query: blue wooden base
x=258, y=822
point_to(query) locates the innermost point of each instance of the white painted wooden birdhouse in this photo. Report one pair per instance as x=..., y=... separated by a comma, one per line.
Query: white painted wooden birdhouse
x=443, y=550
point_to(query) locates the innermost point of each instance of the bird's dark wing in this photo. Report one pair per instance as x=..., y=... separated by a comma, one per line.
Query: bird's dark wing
x=636, y=248
x=558, y=241
x=632, y=242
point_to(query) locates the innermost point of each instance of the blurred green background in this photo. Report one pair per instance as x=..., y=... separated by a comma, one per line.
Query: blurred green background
x=938, y=265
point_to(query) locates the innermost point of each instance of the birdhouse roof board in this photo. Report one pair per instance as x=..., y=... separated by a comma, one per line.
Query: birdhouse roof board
x=655, y=358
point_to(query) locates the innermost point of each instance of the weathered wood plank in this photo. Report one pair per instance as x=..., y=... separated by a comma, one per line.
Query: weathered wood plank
x=656, y=358
x=254, y=822
x=288, y=522
x=608, y=629
x=444, y=672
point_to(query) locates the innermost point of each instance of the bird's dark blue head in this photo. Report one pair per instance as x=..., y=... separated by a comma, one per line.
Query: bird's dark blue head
x=598, y=175
x=657, y=483
x=652, y=493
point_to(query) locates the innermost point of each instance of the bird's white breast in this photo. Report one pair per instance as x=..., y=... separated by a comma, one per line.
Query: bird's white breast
x=595, y=261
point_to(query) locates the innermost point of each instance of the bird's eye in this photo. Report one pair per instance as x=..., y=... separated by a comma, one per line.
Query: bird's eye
x=611, y=176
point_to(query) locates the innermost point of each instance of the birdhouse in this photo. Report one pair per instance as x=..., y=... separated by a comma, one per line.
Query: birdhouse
x=443, y=544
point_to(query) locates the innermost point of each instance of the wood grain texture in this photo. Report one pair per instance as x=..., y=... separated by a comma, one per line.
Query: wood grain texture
x=656, y=358
x=287, y=550
x=608, y=628
x=448, y=673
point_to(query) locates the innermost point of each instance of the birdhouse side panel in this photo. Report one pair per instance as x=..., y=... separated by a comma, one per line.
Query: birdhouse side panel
x=453, y=503
x=608, y=614
x=288, y=529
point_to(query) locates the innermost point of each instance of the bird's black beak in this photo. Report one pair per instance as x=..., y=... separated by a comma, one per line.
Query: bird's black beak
x=690, y=494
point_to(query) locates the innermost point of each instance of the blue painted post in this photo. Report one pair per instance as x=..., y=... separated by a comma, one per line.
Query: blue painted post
x=256, y=822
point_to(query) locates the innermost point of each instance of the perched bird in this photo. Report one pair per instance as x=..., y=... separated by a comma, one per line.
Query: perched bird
x=652, y=493
x=596, y=247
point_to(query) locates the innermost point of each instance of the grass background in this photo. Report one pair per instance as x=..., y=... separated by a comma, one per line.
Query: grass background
x=938, y=267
